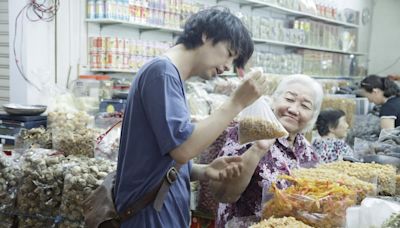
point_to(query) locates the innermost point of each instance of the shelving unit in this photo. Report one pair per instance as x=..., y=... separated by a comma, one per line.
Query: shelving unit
x=295, y=12
x=141, y=26
x=256, y=40
x=113, y=70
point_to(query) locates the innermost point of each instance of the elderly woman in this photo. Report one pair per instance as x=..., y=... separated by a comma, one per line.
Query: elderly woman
x=296, y=104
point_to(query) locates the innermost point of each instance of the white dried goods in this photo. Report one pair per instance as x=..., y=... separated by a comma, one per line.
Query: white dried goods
x=80, y=181
x=39, y=195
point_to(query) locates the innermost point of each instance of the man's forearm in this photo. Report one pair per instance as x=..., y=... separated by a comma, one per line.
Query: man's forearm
x=205, y=133
x=198, y=172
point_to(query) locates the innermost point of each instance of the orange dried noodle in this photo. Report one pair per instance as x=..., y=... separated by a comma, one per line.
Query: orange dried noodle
x=316, y=203
x=252, y=129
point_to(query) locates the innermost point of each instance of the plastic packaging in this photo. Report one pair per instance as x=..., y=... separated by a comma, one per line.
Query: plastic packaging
x=258, y=122
x=39, y=195
x=81, y=177
x=107, y=144
x=10, y=174
x=316, y=203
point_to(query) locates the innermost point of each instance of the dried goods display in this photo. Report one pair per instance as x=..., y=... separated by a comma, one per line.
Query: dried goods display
x=10, y=174
x=398, y=185
x=346, y=104
x=390, y=136
x=362, y=188
x=252, y=129
x=77, y=142
x=82, y=177
x=70, y=134
x=315, y=202
x=39, y=195
x=385, y=174
x=280, y=223
x=365, y=127
x=35, y=137
x=392, y=222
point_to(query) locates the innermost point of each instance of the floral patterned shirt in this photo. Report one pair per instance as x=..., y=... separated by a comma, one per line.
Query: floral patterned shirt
x=280, y=160
x=330, y=149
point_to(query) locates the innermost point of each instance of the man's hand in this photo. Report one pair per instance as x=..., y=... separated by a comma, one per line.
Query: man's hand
x=224, y=168
x=252, y=87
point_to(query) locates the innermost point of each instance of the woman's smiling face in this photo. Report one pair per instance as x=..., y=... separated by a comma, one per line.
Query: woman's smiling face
x=294, y=108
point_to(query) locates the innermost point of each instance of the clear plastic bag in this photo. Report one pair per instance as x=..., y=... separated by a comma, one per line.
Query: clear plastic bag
x=390, y=136
x=81, y=177
x=316, y=203
x=39, y=194
x=10, y=174
x=258, y=122
x=107, y=144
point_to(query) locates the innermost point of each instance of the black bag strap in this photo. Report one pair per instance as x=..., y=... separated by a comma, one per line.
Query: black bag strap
x=157, y=195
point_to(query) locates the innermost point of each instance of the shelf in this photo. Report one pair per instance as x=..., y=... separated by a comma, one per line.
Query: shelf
x=299, y=13
x=135, y=25
x=339, y=77
x=256, y=40
x=113, y=71
x=287, y=44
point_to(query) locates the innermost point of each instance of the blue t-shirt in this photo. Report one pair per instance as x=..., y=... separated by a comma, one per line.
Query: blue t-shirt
x=156, y=121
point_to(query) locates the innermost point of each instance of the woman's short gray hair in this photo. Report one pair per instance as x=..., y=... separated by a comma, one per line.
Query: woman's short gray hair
x=306, y=81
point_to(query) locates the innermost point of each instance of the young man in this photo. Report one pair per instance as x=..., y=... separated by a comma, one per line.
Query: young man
x=157, y=132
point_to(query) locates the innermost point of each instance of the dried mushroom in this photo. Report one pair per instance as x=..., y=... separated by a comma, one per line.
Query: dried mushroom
x=79, y=181
x=9, y=176
x=35, y=137
x=70, y=133
x=39, y=195
x=252, y=129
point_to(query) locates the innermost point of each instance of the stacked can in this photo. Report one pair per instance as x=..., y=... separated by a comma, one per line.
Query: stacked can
x=97, y=52
x=113, y=53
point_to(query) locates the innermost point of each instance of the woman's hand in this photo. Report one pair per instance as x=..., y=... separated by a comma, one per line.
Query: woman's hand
x=261, y=147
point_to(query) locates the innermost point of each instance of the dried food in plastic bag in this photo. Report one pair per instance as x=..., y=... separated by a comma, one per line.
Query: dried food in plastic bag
x=35, y=137
x=39, y=194
x=386, y=174
x=10, y=174
x=362, y=188
x=390, y=136
x=314, y=202
x=80, y=180
x=280, y=223
x=107, y=144
x=258, y=122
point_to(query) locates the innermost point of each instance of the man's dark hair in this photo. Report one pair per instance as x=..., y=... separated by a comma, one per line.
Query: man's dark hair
x=218, y=24
x=388, y=87
x=328, y=119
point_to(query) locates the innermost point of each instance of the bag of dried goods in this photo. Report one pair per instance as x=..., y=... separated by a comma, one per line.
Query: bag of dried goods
x=257, y=122
x=82, y=176
x=362, y=188
x=10, y=174
x=314, y=202
x=280, y=223
x=39, y=194
x=386, y=174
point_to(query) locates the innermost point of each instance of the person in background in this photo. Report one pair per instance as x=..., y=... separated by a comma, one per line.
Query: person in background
x=383, y=91
x=296, y=103
x=157, y=132
x=332, y=127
